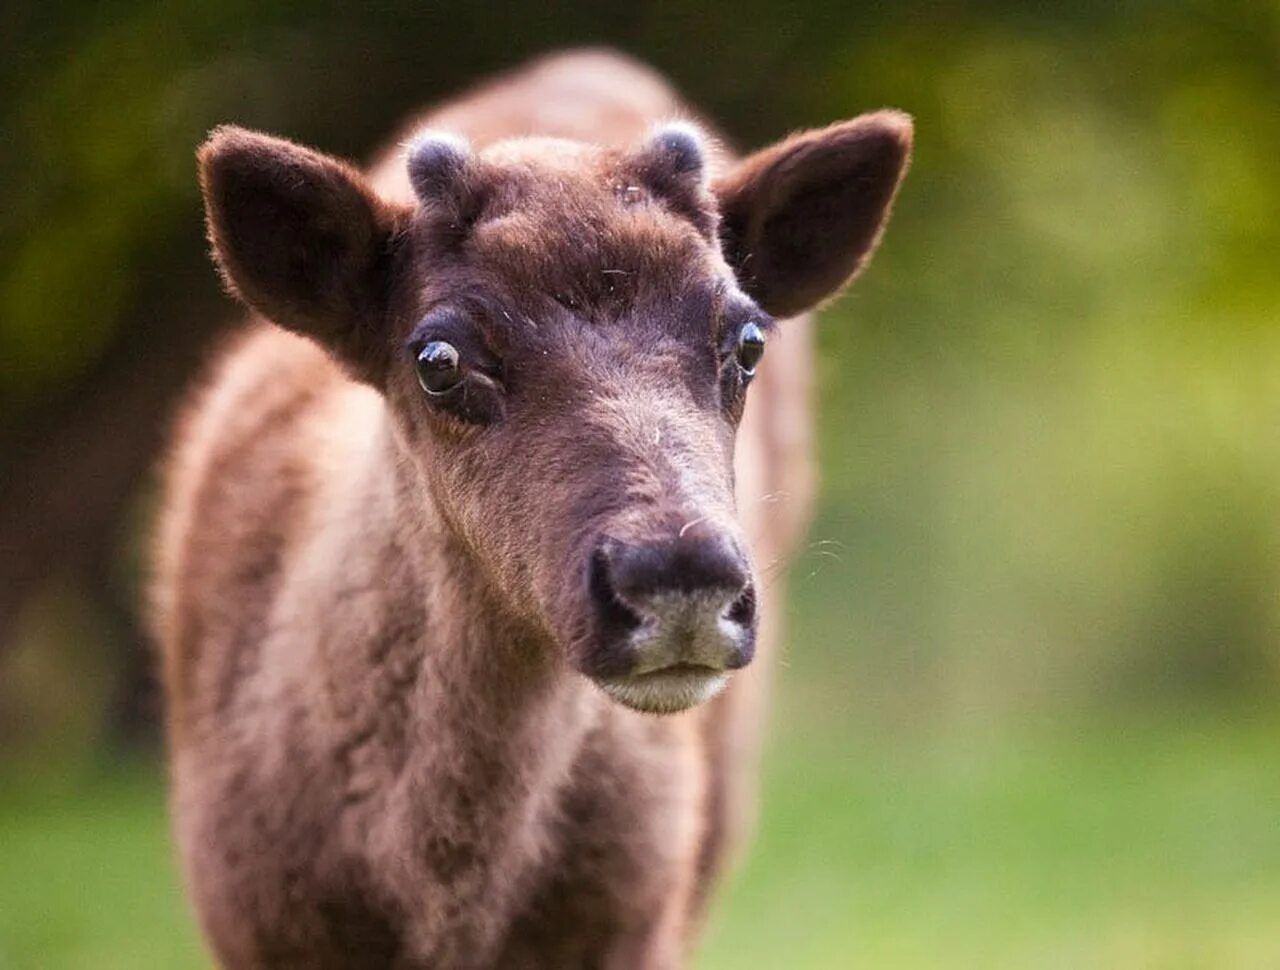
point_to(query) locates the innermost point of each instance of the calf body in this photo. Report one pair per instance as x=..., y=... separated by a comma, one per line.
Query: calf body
x=454, y=576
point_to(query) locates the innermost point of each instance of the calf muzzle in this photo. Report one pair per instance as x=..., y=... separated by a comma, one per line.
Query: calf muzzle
x=674, y=616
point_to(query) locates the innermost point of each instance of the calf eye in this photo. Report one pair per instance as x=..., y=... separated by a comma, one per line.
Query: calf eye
x=750, y=347
x=438, y=367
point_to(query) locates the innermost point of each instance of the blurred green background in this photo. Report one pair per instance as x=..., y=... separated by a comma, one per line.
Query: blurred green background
x=1027, y=712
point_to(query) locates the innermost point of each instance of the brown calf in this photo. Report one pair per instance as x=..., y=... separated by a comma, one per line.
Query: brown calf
x=438, y=545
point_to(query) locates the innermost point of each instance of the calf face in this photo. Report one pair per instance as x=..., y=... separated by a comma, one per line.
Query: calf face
x=565, y=336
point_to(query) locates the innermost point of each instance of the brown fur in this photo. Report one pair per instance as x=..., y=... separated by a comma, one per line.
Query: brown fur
x=387, y=748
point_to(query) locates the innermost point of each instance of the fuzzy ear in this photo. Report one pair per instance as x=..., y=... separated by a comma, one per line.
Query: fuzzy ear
x=301, y=238
x=800, y=218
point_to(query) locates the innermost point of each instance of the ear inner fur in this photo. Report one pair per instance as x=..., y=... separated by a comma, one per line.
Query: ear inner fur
x=801, y=218
x=301, y=238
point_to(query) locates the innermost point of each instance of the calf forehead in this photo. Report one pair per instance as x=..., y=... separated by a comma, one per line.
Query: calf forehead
x=608, y=266
x=576, y=226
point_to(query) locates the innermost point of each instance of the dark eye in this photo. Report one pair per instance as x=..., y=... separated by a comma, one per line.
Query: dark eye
x=750, y=347
x=438, y=367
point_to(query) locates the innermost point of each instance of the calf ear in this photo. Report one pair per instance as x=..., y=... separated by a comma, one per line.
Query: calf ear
x=800, y=218
x=301, y=238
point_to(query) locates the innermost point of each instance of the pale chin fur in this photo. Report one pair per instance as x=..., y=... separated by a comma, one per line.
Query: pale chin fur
x=682, y=643
x=659, y=693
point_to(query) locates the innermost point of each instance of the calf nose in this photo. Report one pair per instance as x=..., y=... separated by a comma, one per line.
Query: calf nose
x=705, y=568
x=682, y=601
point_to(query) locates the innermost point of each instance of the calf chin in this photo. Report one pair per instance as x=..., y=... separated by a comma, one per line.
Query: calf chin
x=668, y=691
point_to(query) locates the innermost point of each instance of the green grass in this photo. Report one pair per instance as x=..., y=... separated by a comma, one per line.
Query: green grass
x=1153, y=847
x=1138, y=847
x=86, y=875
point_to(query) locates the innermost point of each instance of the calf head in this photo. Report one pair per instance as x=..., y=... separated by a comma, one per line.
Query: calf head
x=565, y=336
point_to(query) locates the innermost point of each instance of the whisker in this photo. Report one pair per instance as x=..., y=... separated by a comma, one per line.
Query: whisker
x=689, y=525
x=826, y=552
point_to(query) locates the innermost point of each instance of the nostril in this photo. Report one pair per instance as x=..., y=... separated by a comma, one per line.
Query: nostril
x=613, y=610
x=636, y=573
x=743, y=610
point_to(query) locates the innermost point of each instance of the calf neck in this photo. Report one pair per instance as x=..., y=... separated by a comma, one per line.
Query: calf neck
x=463, y=637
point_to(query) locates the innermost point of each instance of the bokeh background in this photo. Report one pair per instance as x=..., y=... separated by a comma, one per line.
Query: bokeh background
x=1027, y=713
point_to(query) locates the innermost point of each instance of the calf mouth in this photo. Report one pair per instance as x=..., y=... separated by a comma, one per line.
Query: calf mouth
x=682, y=655
x=668, y=690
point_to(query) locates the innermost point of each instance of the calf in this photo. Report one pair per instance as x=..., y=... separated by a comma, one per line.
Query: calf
x=454, y=521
